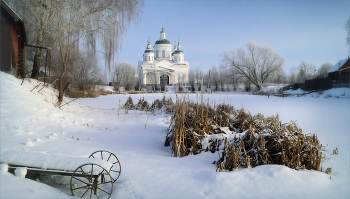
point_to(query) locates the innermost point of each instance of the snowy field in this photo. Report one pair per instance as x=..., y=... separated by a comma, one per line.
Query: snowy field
x=31, y=123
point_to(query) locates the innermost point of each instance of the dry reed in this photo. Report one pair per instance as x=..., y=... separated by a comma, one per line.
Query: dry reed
x=241, y=139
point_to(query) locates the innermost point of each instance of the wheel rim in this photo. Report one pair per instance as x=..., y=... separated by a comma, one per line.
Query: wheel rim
x=116, y=169
x=91, y=181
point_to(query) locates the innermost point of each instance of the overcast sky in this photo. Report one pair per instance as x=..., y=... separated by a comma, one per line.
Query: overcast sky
x=298, y=30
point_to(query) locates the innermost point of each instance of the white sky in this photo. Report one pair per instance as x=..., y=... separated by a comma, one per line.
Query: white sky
x=298, y=30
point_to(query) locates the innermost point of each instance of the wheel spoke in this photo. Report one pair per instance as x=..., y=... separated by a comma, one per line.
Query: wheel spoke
x=92, y=170
x=116, y=162
x=109, y=156
x=85, y=192
x=103, y=191
x=93, y=156
x=80, y=180
x=101, y=155
x=85, y=174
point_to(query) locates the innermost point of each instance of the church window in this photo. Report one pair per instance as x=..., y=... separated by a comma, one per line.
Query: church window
x=175, y=58
x=163, y=53
x=156, y=53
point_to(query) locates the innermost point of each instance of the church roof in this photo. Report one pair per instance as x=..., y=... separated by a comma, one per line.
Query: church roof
x=178, y=51
x=148, y=51
x=163, y=41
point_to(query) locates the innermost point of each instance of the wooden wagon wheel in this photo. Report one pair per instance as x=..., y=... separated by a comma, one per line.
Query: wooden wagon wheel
x=116, y=169
x=91, y=180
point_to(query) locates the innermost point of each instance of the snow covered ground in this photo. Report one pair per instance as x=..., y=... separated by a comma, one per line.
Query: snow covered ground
x=30, y=123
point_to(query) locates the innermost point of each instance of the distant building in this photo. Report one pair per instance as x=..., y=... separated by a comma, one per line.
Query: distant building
x=340, y=73
x=161, y=66
x=12, y=41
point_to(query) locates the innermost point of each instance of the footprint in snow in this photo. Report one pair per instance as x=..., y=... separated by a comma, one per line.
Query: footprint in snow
x=29, y=143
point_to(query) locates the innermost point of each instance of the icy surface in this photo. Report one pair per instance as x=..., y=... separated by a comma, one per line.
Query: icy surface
x=137, y=138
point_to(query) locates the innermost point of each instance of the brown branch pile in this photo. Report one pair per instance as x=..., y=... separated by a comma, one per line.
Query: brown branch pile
x=241, y=139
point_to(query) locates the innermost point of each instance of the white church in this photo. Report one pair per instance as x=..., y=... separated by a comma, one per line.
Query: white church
x=161, y=65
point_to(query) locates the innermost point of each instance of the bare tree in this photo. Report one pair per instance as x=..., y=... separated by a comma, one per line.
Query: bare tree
x=125, y=76
x=322, y=71
x=85, y=72
x=214, y=78
x=256, y=64
x=73, y=22
x=347, y=28
x=279, y=77
x=293, y=75
x=192, y=78
x=199, y=76
x=305, y=71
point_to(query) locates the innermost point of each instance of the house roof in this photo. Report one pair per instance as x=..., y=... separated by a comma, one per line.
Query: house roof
x=338, y=65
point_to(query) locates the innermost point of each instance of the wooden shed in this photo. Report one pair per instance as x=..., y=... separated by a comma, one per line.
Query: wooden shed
x=12, y=42
x=340, y=73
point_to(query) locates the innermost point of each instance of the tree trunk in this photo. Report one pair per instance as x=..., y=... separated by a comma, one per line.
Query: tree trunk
x=37, y=56
x=60, y=86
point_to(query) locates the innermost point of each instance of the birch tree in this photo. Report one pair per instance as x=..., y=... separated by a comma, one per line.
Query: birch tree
x=256, y=63
x=347, y=28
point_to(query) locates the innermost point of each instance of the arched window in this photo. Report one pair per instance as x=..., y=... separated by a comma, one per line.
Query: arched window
x=175, y=58
x=156, y=53
x=149, y=58
x=163, y=53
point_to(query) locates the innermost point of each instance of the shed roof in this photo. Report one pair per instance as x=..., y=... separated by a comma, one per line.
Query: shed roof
x=338, y=65
x=10, y=11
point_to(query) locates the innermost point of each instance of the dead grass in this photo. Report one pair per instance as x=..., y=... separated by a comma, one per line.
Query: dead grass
x=76, y=93
x=241, y=139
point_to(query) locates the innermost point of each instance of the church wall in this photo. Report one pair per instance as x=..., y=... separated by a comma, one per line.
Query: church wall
x=160, y=48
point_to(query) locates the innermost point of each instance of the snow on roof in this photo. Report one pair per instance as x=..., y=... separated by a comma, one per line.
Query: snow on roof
x=337, y=65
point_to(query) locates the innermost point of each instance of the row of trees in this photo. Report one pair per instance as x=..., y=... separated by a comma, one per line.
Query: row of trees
x=256, y=65
x=225, y=76
x=75, y=31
